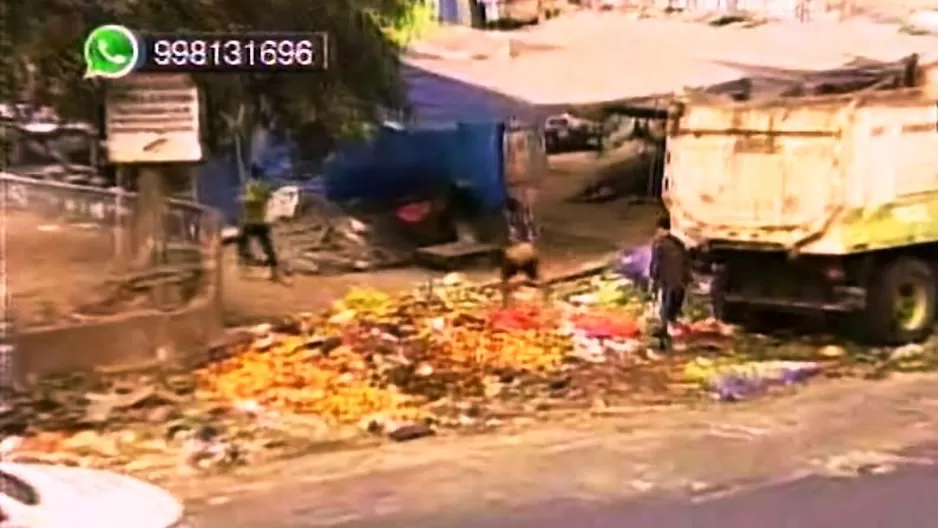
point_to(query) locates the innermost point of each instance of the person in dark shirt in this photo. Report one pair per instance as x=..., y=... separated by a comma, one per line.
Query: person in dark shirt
x=520, y=256
x=670, y=272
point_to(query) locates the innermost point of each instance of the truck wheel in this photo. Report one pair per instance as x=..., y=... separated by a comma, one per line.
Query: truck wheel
x=734, y=313
x=744, y=316
x=727, y=312
x=901, y=302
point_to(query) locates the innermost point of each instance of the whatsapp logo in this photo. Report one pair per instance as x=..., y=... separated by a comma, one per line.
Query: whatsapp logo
x=111, y=52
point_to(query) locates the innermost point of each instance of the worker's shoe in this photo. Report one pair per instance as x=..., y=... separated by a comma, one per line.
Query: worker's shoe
x=275, y=275
x=663, y=336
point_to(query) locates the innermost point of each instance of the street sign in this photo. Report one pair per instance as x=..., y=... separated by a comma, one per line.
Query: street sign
x=153, y=119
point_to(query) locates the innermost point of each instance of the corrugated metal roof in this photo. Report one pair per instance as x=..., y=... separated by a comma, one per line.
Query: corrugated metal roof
x=586, y=58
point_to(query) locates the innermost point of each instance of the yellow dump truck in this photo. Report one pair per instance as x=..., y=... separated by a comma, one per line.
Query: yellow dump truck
x=821, y=204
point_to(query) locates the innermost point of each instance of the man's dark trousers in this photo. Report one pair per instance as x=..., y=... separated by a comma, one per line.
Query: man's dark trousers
x=670, y=305
x=261, y=233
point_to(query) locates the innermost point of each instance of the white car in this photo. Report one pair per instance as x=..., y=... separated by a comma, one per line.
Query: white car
x=47, y=496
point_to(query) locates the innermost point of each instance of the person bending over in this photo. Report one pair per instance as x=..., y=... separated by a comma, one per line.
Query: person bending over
x=520, y=255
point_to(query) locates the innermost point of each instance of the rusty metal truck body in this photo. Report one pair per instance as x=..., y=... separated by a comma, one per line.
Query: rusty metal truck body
x=825, y=203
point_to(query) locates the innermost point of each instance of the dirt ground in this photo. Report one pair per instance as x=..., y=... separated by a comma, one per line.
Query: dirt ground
x=573, y=235
x=55, y=267
x=52, y=267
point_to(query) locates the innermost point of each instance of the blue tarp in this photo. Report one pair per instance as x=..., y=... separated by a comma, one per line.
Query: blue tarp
x=402, y=163
x=218, y=184
x=439, y=100
x=457, y=135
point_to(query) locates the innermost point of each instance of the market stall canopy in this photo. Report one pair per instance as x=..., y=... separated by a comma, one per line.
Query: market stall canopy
x=587, y=59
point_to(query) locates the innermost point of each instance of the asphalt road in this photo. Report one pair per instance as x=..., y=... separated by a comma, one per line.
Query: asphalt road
x=904, y=499
x=713, y=467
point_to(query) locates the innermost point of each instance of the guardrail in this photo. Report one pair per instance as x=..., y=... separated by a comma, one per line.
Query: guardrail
x=147, y=327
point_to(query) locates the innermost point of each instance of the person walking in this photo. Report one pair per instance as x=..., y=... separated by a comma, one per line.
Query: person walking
x=254, y=200
x=670, y=272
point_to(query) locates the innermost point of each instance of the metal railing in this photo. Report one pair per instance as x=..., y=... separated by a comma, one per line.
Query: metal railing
x=69, y=247
x=78, y=204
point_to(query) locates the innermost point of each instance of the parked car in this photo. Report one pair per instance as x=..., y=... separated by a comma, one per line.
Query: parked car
x=566, y=133
x=47, y=496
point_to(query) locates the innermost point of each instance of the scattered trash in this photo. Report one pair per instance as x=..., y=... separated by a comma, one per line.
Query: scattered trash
x=858, y=463
x=445, y=357
x=911, y=350
x=921, y=22
x=415, y=431
x=739, y=381
x=832, y=351
x=635, y=264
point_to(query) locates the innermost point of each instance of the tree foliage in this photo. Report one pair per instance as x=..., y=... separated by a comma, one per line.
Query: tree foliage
x=41, y=57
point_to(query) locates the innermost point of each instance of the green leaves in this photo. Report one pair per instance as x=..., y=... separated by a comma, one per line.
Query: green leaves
x=42, y=57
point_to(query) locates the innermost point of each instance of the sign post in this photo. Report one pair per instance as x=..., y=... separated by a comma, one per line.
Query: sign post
x=152, y=119
x=153, y=124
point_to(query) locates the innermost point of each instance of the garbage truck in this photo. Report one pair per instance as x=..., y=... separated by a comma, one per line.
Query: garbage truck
x=822, y=204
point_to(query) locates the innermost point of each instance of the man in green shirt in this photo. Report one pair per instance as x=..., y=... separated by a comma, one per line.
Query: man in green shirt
x=254, y=201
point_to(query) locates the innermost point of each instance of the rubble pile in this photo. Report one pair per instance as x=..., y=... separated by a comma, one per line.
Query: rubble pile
x=322, y=239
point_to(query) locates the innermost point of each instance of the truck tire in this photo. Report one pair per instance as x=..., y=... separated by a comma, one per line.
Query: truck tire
x=734, y=313
x=726, y=312
x=901, y=302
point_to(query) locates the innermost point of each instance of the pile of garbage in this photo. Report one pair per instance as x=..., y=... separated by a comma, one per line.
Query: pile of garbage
x=453, y=354
x=159, y=426
x=445, y=358
x=430, y=355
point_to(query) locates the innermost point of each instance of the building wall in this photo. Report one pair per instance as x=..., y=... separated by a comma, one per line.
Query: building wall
x=457, y=12
x=779, y=9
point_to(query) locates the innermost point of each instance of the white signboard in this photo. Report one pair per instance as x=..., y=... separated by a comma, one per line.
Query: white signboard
x=153, y=119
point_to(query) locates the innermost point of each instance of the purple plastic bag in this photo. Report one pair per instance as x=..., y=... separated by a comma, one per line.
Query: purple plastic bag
x=791, y=376
x=733, y=387
x=635, y=263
